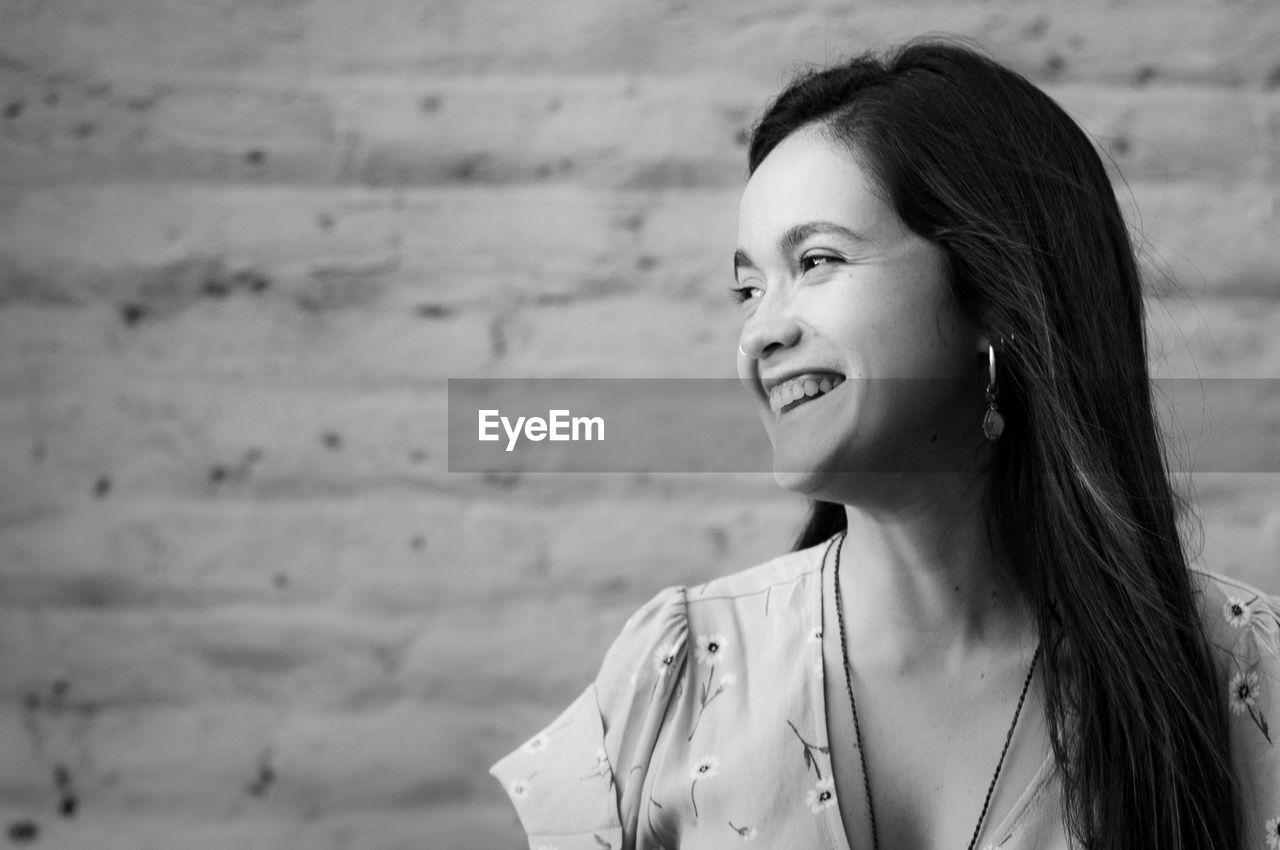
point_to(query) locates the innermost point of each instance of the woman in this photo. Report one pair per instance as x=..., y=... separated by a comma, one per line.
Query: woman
x=987, y=633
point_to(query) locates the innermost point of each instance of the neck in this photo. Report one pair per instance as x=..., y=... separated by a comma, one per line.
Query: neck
x=922, y=579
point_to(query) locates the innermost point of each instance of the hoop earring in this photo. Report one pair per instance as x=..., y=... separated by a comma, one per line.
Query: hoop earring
x=993, y=420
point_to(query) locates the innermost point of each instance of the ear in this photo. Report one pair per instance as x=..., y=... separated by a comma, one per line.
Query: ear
x=984, y=342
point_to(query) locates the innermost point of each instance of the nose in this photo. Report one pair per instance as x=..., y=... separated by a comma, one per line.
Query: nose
x=771, y=327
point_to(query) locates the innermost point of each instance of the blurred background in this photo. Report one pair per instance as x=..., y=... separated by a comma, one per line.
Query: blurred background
x=244, y=243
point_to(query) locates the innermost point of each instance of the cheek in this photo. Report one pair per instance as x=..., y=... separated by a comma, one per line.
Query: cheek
x=914, y=331
x=886, y=333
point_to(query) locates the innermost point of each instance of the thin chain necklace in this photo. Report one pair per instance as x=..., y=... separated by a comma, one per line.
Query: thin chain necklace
x=857, y=730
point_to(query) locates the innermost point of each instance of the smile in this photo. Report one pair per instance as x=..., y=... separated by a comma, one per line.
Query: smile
x=802, y=389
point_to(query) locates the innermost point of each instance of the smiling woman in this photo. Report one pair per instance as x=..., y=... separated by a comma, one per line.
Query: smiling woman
x=834, y=262
x=988, y=634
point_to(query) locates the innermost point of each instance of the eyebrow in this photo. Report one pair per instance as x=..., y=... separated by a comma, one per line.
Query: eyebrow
x=790, y=240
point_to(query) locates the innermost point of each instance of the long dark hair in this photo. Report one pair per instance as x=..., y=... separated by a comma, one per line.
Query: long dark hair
x=976, y=159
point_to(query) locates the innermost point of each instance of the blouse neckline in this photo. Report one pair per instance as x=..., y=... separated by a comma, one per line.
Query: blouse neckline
x=837, y=831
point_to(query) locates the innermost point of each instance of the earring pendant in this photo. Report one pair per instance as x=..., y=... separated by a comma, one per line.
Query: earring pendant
x=992, y=423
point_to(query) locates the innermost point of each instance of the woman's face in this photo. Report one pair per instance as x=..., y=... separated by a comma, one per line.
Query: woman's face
x=837, y=288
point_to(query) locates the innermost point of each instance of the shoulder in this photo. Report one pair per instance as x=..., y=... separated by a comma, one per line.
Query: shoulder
x=577, y=781
x=580, y=778
x=1242, y=625
x=653, y=643
x=1238, y=618
x=1218, y=585
x=787, y=568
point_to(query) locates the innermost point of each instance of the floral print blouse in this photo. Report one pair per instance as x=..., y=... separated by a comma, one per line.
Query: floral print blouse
x=706, y=726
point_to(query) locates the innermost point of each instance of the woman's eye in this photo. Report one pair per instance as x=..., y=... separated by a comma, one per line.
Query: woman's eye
x=740, y=294
x=812, y=261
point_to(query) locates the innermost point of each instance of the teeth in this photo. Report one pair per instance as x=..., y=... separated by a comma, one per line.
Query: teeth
x=800, y=387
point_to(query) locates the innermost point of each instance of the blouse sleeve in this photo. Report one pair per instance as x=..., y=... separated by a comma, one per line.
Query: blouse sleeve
x=577, y=783
x=1253, y=697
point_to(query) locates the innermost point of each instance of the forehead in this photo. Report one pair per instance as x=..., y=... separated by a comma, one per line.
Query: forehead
x=808, y=177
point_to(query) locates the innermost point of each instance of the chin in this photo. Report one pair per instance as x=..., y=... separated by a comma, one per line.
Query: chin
x=837, y=476
x=804, y=483
x=812, y=477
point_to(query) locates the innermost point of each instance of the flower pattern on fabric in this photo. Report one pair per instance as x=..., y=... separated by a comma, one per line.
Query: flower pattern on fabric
x=1236, y=612
x=653, y=804
x=664, y=658
x=704, y=769
x=821, y=796
x=1257, y=625
x=706, y=695
x=623, y=768
x=1244, y=689
x=810, y=761
x=1258, y=621
x=711, y=648
x=1243, y=692
x=602, y=769
x=537, y=744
